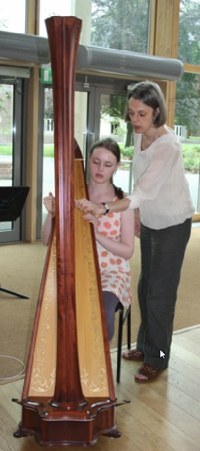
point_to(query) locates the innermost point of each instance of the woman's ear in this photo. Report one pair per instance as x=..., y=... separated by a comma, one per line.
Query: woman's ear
x=156, y=112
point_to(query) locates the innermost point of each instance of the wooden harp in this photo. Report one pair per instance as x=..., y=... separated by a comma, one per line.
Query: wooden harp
x=68, y=395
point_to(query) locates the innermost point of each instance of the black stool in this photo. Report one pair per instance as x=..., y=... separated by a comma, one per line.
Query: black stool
x=122, y=318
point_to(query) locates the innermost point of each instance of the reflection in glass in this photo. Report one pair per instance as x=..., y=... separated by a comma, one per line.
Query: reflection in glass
x=6, y=147
x=48, y=148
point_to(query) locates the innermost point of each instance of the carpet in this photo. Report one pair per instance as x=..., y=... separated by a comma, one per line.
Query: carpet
x=21, y=271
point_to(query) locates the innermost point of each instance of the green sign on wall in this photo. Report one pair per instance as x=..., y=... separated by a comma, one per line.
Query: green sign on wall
x=46, y=75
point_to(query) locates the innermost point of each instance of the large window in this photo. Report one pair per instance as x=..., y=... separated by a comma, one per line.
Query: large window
x=52, y=8
x=120, y=24
x=189, y=31
x=187, y=126
x=187, y=107
x=12, y=15
x=117, y=24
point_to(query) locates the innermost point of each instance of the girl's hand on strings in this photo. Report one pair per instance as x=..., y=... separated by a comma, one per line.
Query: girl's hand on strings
x=49, y=203
x=92, y=219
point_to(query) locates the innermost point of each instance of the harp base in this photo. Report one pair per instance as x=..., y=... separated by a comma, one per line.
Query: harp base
x=61, y=427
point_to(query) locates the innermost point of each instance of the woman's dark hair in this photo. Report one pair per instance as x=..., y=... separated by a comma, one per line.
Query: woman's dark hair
x=111, y=145
x=150, y=94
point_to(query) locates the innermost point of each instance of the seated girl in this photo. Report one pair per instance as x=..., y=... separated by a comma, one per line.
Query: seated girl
x=114, y=232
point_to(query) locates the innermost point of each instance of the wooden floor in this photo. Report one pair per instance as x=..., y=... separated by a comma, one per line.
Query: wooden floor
x=163, y=415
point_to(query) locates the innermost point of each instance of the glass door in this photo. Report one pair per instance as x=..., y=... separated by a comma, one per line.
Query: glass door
x=99, y=111
x=11, y=137
x=112, y=107
x=81, y=136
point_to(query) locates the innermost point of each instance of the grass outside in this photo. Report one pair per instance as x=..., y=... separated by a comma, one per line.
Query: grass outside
x=191, y=154
x=48, y=150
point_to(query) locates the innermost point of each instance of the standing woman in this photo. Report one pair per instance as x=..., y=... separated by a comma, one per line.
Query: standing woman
x=113, y=232
x=163, y=212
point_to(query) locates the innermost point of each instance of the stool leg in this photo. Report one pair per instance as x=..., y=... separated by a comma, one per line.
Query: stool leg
x=129, y=329
x=119, y=346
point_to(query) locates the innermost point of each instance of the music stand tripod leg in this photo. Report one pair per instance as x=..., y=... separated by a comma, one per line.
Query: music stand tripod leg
x=14, y=293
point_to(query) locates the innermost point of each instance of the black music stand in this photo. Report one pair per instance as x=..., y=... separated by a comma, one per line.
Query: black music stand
x=12, y=200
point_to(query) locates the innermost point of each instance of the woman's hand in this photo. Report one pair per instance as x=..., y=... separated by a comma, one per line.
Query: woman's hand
x=88, y=207
x=137, y=223
x=49, y=203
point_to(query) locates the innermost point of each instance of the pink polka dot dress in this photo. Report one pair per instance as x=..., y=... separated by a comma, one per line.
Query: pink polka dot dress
x=115, y=271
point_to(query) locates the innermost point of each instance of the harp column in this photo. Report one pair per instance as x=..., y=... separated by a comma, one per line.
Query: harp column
x=63, y=36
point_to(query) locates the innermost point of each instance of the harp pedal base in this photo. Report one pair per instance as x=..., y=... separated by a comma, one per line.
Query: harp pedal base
x=67, y=428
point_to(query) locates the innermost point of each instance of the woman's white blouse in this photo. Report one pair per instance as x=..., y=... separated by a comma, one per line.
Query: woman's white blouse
x=161, y=190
